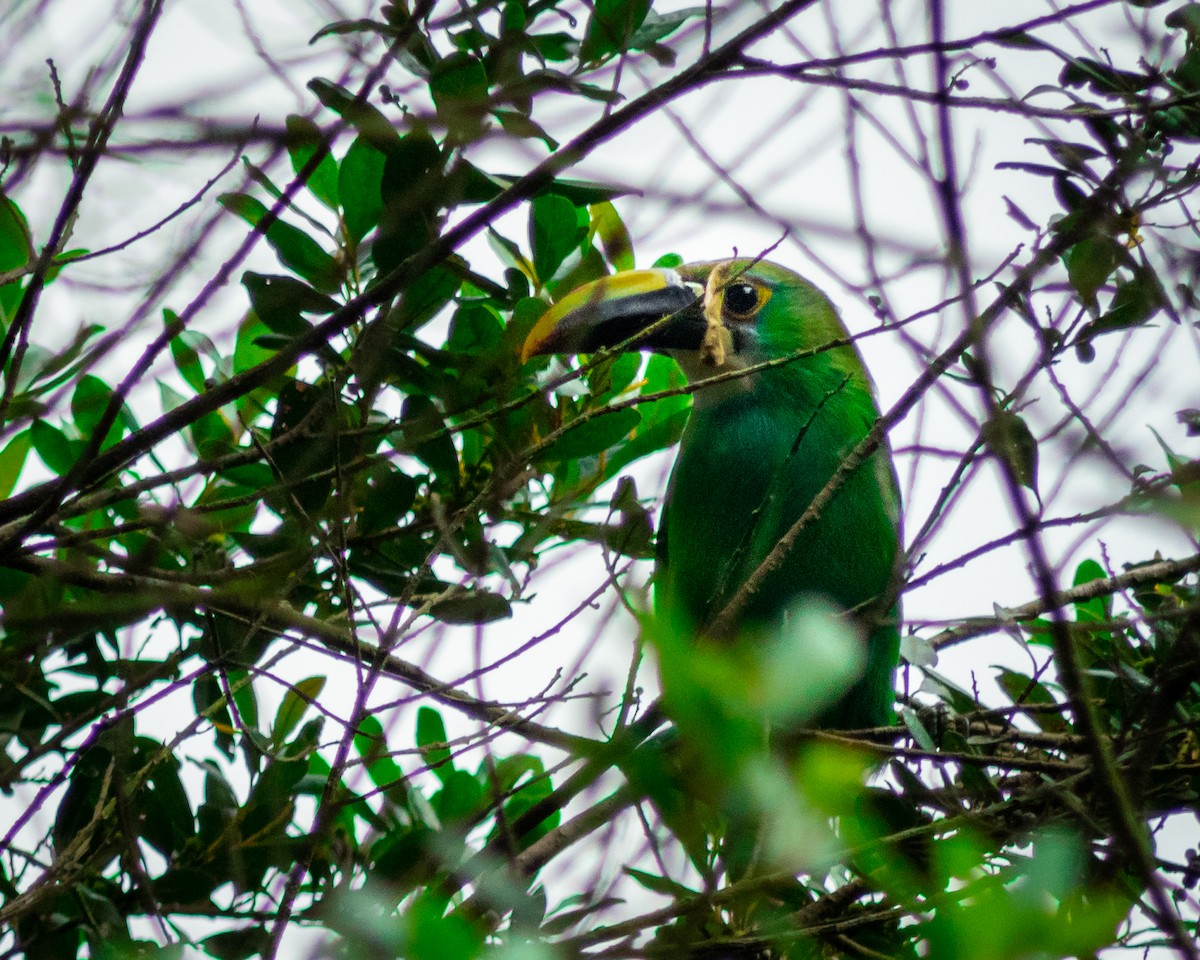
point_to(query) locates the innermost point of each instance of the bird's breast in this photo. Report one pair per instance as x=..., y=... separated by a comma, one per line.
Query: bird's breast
x=747, y=471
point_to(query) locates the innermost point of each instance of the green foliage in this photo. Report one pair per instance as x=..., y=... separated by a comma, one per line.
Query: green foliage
x=1008, y=436
x=611, y=27
x=361, y=461
x=16, y=251
x=295, y=248
x=304, y=143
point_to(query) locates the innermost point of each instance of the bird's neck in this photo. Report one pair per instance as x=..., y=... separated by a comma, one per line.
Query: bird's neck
x=796, y=389
x=726, y=383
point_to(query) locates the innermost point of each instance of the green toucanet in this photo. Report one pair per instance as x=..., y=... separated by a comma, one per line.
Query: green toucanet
x=756, y=450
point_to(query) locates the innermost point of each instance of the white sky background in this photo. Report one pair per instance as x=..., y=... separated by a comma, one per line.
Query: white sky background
x=782, y=144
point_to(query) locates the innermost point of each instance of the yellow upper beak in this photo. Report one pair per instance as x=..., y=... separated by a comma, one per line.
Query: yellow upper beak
x=609, y=311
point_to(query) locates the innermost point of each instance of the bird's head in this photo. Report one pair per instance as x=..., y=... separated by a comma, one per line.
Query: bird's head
x=712, y=317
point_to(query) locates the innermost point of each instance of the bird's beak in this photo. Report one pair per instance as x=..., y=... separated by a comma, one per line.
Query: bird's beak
x=661, y=305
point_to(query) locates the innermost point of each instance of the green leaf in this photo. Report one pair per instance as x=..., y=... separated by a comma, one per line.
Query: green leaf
x=16, y=251
x=662, y=420
x=88, y=403
x=510, y=770
x=165, y=809
x=360, y=177
x=1071, y=196
x=611, y=27
x=509, y=254
x=916, y=727
x=661, y=885
x=555, y=232
x=81, y=799
x=592, y=436
x=295, y=248
x=404, y=858
x=460, y=798
x=51, y=370
x=1072, y=156
x=418, y=55
x=304, y=413
x=424, y=298
x=517, y=124
x=581, y=266
x=480, y=187
x=212, y=435
x=525, y=314
x=245, y=206
x=1024, y=690
x=371, y=744
x=244, y=697
x=1186, y=18
x=169, y=397
x=614, y=237
x=474, y=329
x=362, y=25
x=60, y=261
x=431, y=741
x=459, y=86
x=1097, y=609
x=1008, y=437
x=295, y=704
x=515, y=17
x=529, y=795
x=405, y=186
x=183, y=885
x=51, y=444
x=626, y=537
x=472, y=607
x=1102, y=78
x=1135, y=303
x=16, y=242
x=656, y=27
x=372, y=125
x=278, y=302
x=612, y=377
x=1018, y=40
x=186, y=348
x=653, y=435
x=12, y=461
x=304, y=139
x=426, y=437
x=246, y=354
x=388, y=565
x=1089, y=265
x=634, y=536
x=411, y=190
x=238, y=944
x=554, y=47
x=389, y=497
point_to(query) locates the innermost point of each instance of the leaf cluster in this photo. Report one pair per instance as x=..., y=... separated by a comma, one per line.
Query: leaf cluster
x=356, y=463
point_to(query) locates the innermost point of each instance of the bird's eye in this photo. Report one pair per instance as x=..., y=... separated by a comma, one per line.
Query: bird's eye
x=741, y=299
